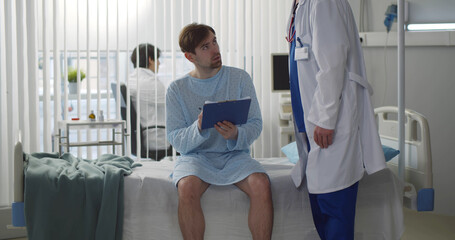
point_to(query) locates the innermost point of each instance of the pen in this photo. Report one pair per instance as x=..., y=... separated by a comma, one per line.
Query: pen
x=301, y=44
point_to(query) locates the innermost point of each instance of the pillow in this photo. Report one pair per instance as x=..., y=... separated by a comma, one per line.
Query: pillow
x=292, y=153
x=389, y=152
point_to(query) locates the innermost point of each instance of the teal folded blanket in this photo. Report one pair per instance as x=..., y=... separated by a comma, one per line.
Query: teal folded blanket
x=73, y=198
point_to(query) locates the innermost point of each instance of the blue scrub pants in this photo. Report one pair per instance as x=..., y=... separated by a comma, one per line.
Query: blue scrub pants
x=334, y=213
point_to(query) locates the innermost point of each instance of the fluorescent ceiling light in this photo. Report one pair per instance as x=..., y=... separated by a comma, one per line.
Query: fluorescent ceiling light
x=431, y=26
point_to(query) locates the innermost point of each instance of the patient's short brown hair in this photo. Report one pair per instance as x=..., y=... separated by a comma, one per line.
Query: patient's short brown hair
x=192, y=35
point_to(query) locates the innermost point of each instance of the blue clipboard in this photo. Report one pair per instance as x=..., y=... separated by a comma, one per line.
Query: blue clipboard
x=234, y=111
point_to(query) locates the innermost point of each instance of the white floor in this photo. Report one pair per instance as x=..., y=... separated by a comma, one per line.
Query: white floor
x=427, y=225
x=421, y=226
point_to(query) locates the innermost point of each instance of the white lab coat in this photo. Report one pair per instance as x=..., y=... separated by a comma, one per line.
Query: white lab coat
x=152, y=106
x=335, y=94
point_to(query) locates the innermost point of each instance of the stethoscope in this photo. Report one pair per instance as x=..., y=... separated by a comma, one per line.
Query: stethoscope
x=291, y=33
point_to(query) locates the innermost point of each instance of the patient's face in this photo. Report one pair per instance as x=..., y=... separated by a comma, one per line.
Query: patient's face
x=208, y=53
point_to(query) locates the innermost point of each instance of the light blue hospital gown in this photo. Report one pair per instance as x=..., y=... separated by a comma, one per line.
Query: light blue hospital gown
x=207, y=154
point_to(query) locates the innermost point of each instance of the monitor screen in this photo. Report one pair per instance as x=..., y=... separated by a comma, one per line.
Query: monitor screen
x=280, y=72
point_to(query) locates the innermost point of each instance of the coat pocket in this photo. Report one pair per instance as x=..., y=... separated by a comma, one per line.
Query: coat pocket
x=303, y=51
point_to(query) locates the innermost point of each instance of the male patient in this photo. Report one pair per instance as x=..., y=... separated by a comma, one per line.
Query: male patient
x=219, y=155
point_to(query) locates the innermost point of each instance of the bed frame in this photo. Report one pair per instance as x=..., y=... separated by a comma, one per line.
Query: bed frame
x=418, y=175
x=18, y=220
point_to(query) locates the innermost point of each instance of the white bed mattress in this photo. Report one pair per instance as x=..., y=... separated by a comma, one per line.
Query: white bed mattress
x=151, y=206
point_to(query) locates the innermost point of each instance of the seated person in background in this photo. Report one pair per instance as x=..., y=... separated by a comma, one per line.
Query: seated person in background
x=219, y=155
x=152, y=100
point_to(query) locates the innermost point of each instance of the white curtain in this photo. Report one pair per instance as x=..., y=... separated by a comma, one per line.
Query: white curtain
x=41, y=40
x=18, y=87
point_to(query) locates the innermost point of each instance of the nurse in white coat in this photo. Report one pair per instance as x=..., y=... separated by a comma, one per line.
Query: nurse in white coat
x=335, y=127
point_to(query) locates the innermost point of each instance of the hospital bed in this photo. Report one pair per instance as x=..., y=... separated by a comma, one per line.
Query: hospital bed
x=151, y=206
x=418, y=174
x=150, y=201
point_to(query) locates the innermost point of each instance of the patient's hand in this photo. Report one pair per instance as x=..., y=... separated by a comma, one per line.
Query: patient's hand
x=199, y=121
x=227, y=130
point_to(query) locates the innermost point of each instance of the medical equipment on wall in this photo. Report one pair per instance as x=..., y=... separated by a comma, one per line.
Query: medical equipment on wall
x=391, y=15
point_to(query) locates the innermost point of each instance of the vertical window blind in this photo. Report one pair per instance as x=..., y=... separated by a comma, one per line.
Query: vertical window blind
x=42, y=42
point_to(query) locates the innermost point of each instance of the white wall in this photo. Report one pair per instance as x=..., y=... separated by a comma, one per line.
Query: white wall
x=436, y=11
x=430, y=80
x=420, y=11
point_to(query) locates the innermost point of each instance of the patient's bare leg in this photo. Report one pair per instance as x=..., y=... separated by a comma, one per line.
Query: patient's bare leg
x=260, y=218
x=191, y=218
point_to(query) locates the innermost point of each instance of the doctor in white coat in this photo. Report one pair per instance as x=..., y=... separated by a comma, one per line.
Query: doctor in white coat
x=336, y=132
x=152, y=99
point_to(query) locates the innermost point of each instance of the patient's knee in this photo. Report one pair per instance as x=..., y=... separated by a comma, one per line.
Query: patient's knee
x=259, y=184
x=190, y=188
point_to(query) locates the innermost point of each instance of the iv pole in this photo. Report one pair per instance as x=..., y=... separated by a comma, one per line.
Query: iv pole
x=401, y=88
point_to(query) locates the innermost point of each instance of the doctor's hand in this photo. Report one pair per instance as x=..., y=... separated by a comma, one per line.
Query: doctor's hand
x=227, y=130
x=323, y=137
